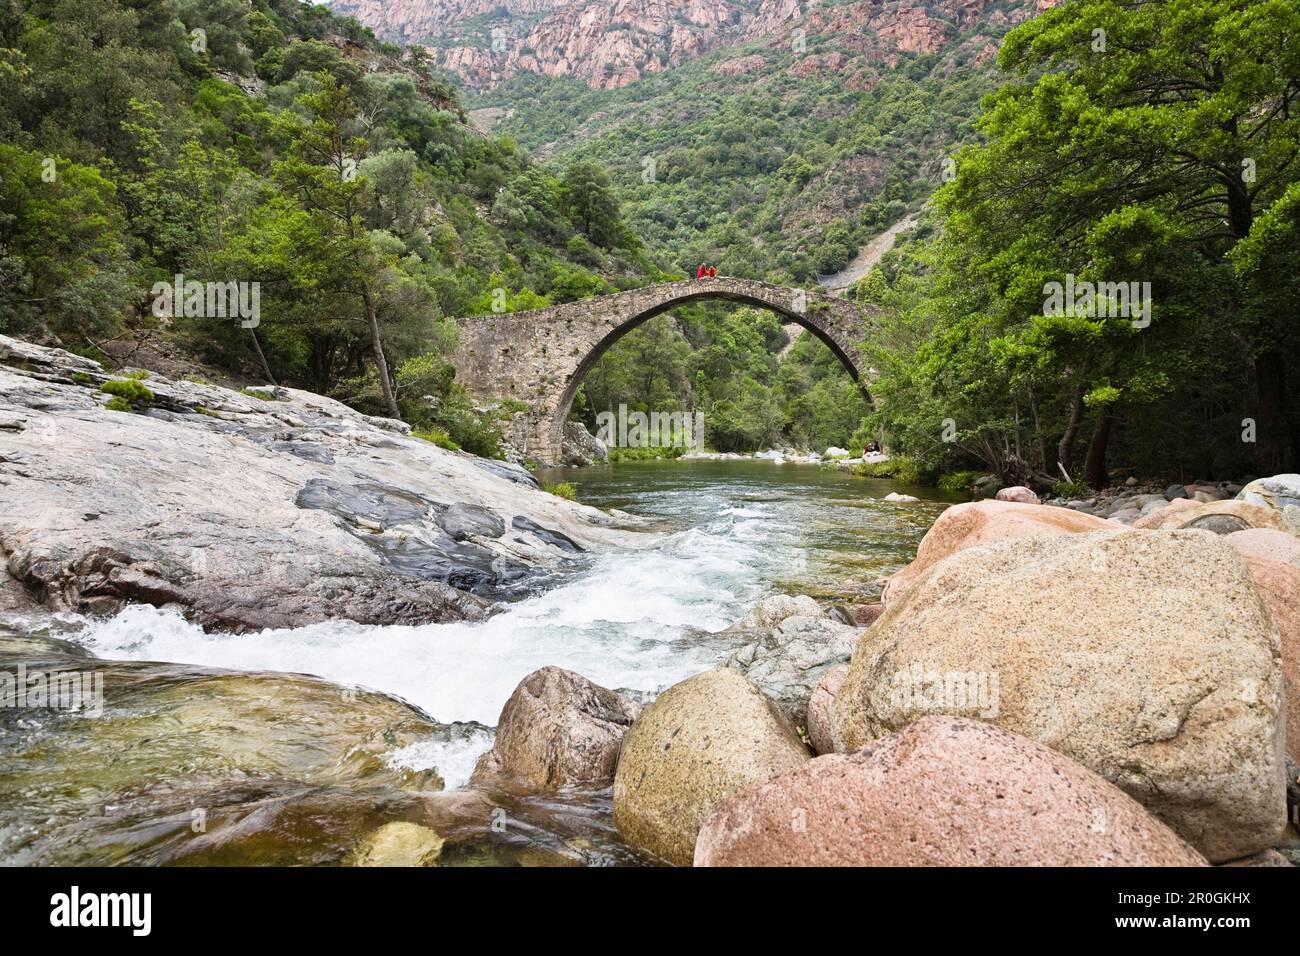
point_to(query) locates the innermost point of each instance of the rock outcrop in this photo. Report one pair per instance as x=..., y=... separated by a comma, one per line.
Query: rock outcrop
x=701, y=741
x=558, y=729
x=943, y=792
x=610, y=43
x=787, y=643
x=1149, y=657
x=255, y=509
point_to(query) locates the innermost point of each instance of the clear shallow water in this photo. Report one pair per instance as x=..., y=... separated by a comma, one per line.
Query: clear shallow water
x=734, y=532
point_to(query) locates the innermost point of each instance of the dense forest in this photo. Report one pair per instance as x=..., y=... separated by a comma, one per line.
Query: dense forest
x=1153, y=143
x=1147, y=147
x=274, y=142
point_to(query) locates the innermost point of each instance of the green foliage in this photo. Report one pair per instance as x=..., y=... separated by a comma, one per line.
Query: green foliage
x=118, y=405
x=353, y=197
x=958, y=480
x=1071, y=489
x=129, y=390
x=900, y=468
x=649, y=453
x=1127, y=164
x=437, y=436
x=561, y=489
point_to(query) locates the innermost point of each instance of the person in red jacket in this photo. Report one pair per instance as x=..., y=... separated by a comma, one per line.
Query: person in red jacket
x=702, y=271
x=712, y=272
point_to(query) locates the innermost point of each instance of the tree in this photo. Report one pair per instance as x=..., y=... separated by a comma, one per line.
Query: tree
x=590, y=203
x=321, y=172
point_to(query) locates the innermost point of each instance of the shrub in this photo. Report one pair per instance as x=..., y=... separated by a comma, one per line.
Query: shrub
x=959, y=480
x=437, y=436
x=116, y=404
x=562, y=489
x=128, y=390
x=1071, y=489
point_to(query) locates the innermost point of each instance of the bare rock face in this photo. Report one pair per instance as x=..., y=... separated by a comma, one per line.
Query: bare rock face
x=942, y=792
x=257, y=509
x=1149, y=657
x=976, y=522
x=820, y=733
x=558, y=729
x=701, y=741
x=610, y=43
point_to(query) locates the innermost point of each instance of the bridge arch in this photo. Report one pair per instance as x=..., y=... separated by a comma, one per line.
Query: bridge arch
x=540, y=357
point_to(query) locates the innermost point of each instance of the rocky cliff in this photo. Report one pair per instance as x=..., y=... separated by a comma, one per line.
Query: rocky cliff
x=610, y=43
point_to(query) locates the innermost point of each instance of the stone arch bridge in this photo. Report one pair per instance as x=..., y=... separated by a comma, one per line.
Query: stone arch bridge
x=539, y=357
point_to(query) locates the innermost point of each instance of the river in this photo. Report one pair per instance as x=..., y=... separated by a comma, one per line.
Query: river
x=733, y=532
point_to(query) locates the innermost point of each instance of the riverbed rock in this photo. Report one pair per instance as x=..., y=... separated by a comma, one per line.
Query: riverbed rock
x=1149, y=657
x=558, y=729
x=1281, y=493
x=399, y=844
x=899, y=498
x=820, y=734
x=944, y=791
x=1018, y=493
x=1265, y=858
x=581, y=447
x=258, y=512
x=965, y=525
x=775, y=608
x=787, y=661
x=701, y=740
x=1219, y=517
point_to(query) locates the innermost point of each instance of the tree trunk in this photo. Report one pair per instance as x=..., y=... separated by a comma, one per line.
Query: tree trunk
x=261, y=357
x=1094, y=468
x=381, y=363
x=1273, y=446
x=1064, y=455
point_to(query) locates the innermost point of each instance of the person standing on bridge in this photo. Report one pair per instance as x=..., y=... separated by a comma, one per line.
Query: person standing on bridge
x=713, y=272
x=702, y=271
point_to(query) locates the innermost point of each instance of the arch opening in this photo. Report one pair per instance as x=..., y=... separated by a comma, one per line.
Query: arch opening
x=786, y=312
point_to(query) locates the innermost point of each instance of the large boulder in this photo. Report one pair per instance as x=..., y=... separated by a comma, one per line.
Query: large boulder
x=558, y=729
x=1220, y=517
x=1280, y=493
x=820, y=734
x=702, y=740
x=943, y=792
x=581, y=447
x=787, y=661
x=1266, y=543
x=1279, y=586
x=1147, y=656
x=966, y=525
